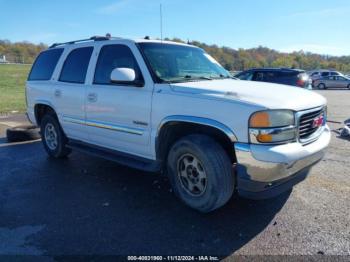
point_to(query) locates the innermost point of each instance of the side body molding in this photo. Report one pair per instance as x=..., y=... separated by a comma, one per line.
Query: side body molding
x=199, y=120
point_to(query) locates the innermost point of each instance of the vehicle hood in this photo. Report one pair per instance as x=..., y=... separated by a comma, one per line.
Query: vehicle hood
x=268, y=95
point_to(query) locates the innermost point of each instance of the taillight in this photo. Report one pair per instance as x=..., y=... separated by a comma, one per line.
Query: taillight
x=300, y=83
x=302, y=80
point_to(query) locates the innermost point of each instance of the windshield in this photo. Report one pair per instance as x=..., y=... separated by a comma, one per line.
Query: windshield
x=177, y=63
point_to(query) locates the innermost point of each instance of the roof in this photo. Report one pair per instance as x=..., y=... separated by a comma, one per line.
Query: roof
x=278, y=69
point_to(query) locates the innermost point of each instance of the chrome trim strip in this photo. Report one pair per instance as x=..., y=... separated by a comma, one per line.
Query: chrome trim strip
x=134, y=131
x=73, y=120
x=198, y=120
x=254, y=132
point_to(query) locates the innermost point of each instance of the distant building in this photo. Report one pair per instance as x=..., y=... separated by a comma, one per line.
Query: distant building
x=3, y=59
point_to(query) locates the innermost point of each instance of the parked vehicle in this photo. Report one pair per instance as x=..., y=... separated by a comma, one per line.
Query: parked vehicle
x=323, y=73
x=164, y=106
x=286, y=76
x=332, y=82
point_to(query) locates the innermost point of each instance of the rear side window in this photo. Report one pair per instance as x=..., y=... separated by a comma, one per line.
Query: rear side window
x=76, y=65
x=45, y=64
x=111, y=57
x=265, y=76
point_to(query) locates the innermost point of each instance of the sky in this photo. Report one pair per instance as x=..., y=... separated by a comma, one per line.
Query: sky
x=318, y=26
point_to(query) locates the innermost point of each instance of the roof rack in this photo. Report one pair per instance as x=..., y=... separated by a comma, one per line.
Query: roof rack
x=93, y=38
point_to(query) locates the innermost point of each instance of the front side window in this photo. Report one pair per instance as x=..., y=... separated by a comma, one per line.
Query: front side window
x=45, y=64
x=179, y=63
x=76, y=65
x=112, y=57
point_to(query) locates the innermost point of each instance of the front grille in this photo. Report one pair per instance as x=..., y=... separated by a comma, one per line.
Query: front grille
x=306, y=120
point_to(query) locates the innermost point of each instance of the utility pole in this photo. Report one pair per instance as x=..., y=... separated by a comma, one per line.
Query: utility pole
x=161, y=22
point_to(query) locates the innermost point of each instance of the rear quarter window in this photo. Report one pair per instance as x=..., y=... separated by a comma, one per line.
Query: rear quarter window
x=45, y=64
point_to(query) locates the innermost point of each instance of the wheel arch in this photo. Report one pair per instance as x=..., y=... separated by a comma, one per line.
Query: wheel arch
x=174, y=127
x=42, y=107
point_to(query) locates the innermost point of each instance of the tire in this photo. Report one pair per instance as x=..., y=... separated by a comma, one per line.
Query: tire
x=22, y=133
x=53, y=138
x=322, y=86
x=215, y=187
x=349, y=87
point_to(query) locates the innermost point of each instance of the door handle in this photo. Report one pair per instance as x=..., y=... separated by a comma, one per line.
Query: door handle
x=92, y=97
x=58, y=93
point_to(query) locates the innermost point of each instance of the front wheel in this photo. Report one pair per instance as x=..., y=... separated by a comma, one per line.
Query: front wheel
x=349, y=87
x=53, y=138
x=200, y=172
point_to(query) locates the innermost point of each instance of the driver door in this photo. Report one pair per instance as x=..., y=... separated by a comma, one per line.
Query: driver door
x=118, y=115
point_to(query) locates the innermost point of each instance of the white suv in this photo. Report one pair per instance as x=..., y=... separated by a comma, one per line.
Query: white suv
x=171, y=108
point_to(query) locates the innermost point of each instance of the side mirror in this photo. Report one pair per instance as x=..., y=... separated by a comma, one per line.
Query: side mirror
x=123, y=75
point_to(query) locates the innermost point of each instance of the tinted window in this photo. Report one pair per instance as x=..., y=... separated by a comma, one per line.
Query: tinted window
x=45, y=64
x=111, y=57
x=265, y=76
x=76, y=65
x=324, y=73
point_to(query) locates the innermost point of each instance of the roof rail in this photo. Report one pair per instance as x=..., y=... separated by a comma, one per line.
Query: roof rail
x=93, y=38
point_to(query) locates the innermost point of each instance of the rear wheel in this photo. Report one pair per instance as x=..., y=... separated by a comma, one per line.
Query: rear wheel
x=200, y=172
x=321, y=86
x=53, y=138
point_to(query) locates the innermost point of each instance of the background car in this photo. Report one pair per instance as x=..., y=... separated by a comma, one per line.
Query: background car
x=293, y=77
x=332, y=81
x=317, y=74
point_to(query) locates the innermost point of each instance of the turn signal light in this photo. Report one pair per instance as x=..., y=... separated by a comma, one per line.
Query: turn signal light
x=264, y=138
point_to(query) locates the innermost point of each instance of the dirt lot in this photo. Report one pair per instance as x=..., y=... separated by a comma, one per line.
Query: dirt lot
x=89, y=206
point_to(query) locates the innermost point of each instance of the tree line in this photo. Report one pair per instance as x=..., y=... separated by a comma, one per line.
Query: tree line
x=231, y=59
x=242, y=59
x=20, y=52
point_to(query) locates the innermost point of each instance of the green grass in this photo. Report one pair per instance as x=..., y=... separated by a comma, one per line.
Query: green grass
x=12, y=87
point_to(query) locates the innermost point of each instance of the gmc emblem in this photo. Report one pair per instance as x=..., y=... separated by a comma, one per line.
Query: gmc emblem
x=318, y=121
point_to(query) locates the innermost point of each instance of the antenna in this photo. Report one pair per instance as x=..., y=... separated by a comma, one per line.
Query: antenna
x=161, y=22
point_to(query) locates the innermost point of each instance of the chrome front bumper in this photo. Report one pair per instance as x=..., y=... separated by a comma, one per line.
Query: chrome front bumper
x=265, y=169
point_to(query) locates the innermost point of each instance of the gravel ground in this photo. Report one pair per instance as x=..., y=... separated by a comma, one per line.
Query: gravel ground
x=89, y=206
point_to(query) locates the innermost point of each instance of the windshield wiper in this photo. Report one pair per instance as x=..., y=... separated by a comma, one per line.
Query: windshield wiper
x=198, y=77
x=188, y=78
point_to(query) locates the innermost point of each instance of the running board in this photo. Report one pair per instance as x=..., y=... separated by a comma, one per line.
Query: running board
x=116, y=156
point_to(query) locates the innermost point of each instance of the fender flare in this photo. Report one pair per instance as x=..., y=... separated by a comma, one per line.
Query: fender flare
x=198, y=120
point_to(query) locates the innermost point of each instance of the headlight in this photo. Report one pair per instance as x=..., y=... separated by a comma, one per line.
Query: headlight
x=272, y=126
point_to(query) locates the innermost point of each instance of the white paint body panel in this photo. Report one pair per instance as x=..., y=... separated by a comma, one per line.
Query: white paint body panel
x=230, y=102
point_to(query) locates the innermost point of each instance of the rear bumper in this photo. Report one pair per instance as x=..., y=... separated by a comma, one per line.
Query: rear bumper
x=266, y=171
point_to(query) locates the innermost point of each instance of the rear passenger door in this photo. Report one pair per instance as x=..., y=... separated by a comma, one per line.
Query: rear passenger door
x=69, y=91
x=117, y=114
